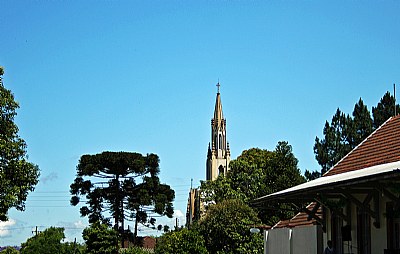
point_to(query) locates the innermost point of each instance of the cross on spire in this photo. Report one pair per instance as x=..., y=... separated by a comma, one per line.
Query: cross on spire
x=218, y=85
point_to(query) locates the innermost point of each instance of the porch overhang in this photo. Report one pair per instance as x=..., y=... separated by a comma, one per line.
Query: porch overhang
x=358, y=181
x=372, y=183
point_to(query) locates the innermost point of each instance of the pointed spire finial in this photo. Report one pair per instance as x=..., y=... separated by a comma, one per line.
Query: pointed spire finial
x=218, y=85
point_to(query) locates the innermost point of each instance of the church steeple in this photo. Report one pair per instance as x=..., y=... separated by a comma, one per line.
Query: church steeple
x=218, y=115
x=218, y=156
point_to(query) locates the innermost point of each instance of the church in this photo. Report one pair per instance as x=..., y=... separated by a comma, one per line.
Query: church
x=219, y=155
x=218, y=158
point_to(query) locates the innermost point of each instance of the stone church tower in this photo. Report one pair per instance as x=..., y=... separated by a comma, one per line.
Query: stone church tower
x=219, y=155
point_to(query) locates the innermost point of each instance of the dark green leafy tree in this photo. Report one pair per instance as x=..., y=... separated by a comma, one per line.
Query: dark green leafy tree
x=183, y=241
x=17, y=175
x=125, y=185
x=100, y=239
x=46, y=242
x=256, y=173
x=384, y=110
x=226, y=228
x=219, y=190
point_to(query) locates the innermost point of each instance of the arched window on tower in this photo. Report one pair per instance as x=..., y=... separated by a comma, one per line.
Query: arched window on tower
x=220, y=170
x=220, y=141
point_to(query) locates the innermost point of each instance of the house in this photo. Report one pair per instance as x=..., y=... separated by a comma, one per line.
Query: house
x=355, y=204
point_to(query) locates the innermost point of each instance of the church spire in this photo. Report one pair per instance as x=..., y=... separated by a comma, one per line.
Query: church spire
x=218, y=115
x=218, y=156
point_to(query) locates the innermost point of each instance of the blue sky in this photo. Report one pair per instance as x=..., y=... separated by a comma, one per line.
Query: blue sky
x=140, y=76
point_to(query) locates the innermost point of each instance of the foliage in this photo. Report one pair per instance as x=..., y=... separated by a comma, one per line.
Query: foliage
x=384, y=110
x=124, y=184
x=226, y=228
x=345, y=132
x=311, y=175
x=100, y=239
x=46, y=242
x=337, y=141
x=9, y=250
x=17, y=175
x=362, y=125
x=184, y=241
x=256, y=173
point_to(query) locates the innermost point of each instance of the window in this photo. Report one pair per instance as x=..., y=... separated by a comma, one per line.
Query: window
x=221, y=170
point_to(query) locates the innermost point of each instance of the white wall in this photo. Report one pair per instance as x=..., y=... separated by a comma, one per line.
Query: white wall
x=305, y=240
x=278, y=241
x=299, y=240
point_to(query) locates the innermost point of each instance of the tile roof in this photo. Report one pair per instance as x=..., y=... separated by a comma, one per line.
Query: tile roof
x=300, y=219
x=381, y=147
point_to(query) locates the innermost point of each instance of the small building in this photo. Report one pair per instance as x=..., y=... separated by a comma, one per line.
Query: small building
x=356, y=204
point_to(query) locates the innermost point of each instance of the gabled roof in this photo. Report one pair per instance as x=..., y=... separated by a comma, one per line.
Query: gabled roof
x=381, y=147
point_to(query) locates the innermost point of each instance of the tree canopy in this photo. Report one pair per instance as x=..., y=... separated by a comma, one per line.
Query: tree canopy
x=183, y=241
x=256, y=173
x=48, y=242
x=17, y=176
x=123, y=184
x=100, y=239
x=384, y=110
x=226, y=228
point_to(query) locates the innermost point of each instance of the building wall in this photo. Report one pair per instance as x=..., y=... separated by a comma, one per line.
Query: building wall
x=298, y=240
x=312, y=236
x=278, y=241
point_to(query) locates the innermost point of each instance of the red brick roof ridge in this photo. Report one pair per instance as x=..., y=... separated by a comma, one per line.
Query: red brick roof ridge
x=354, y=149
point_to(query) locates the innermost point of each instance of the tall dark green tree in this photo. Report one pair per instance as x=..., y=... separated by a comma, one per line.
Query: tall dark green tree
x=384, y=110
x=337, y=141
x=361, y=124
x=125, y=185
x=17, y=176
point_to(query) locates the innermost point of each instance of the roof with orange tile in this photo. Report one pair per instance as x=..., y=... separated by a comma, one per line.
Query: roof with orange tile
x=381, y=147
x=300, y=219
